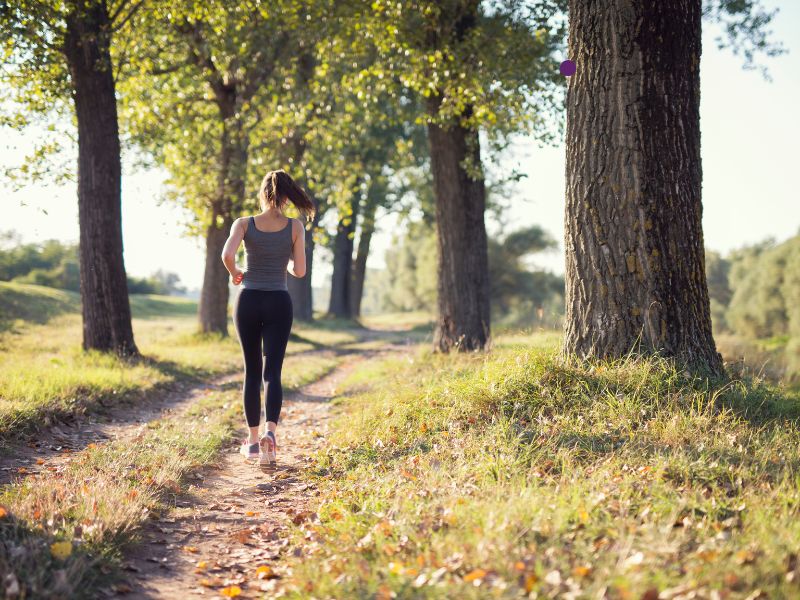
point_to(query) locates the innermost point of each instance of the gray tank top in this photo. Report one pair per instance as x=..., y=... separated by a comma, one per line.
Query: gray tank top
x=267, y=254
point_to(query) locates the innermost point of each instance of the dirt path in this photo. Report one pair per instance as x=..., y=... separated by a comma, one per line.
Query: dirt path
x=231, y=521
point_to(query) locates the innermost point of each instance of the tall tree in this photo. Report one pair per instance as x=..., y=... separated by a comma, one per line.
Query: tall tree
x=635, y=270
x=219, y=67
x=476, y=68
x=58, y=51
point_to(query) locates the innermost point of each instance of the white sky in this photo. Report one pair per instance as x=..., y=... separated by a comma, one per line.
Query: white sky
x=750, y=132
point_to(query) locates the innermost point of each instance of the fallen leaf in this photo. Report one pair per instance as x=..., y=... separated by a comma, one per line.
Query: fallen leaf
x=61, y=550
x=3, y=512
x=384, y=592
x=530, y=581
x=265, y=572
x=650, y=594
x=190, y=548
x=475, y=574
x=582, y=571
x=744, y=557
x=231, y=591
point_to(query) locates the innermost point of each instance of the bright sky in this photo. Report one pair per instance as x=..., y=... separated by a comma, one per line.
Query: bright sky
x=749, y=136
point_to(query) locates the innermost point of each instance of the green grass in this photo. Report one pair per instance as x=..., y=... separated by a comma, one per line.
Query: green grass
x=95, y=505
x=45, y=375
x=514, y=473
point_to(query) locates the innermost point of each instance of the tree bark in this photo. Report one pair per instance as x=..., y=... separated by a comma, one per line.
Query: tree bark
x=103, y=282
x=339, y=304
x=300, y=288
x=463, y=320
x=359, y=269
x=635, y=271
x=213, y=308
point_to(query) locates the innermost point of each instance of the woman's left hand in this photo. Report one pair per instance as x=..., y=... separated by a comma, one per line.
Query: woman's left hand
x=237, y=276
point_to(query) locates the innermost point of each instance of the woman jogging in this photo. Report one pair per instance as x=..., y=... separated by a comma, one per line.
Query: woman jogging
x=262, y=310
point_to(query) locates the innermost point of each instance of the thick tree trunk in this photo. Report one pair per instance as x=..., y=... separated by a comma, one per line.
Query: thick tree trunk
x=339, y=304
x=463, y=321
x=635, y=272
x=300, y=289
x=213, y=308
x=362, y=253
x=103, y=281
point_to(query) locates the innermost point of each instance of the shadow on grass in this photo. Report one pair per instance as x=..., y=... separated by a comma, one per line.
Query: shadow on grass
x=27, y=560
x=34, y=304
x=21, y=427
x=151, y=306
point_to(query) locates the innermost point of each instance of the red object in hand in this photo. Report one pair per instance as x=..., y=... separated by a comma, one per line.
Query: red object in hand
x=237, y=276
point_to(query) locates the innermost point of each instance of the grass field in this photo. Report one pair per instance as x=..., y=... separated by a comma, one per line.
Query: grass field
x=45, y=375
x=507, y=474
x=516, y=474
x=62, y=530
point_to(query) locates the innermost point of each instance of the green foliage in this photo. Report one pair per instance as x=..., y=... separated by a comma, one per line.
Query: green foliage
x=744, y=25
x=411, y=269
x=518, y=291
x=754, y=293
x=758, y=307
x=520, y=294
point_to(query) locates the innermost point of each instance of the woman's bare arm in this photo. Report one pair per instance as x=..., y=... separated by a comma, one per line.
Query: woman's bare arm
x=229, y=250
x=297, y=265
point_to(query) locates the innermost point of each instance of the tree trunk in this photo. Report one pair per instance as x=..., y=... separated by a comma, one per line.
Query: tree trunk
x=635, y=272
x=103, y=281
x=463, y=321
x=360, y=262
x=213, y=307
x=300, y=289
x=339, y=305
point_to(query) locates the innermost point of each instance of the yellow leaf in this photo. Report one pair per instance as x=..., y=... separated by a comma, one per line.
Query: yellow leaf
x=61, y=550
x=582, y=571
x=3, y=512
x=583, y=516
x=395, y=568
x=707, y=555
x=384, y=593
x=231, y=591
x=190, y=548
x=530, y=581
x=423, y=428
x=473, y=575
x=92, y=445
x=264, y=572
x=250, y=513
x=201, y=565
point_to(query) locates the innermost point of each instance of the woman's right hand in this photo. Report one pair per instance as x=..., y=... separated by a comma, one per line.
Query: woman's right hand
x=237, y=276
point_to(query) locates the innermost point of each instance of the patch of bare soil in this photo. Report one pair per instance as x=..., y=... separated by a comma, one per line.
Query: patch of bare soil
x=227, y=531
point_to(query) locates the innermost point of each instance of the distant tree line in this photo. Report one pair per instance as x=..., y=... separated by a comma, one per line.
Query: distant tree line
x=55, y=264
x=521, y=295
x=754, y=293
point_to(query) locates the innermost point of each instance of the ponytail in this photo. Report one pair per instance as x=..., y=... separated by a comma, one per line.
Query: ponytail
x=278, y=187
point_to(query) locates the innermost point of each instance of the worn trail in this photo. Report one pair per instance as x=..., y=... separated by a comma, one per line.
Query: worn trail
x=227, y=530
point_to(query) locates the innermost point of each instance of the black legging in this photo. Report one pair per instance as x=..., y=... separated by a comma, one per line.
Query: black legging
x=267, y=315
